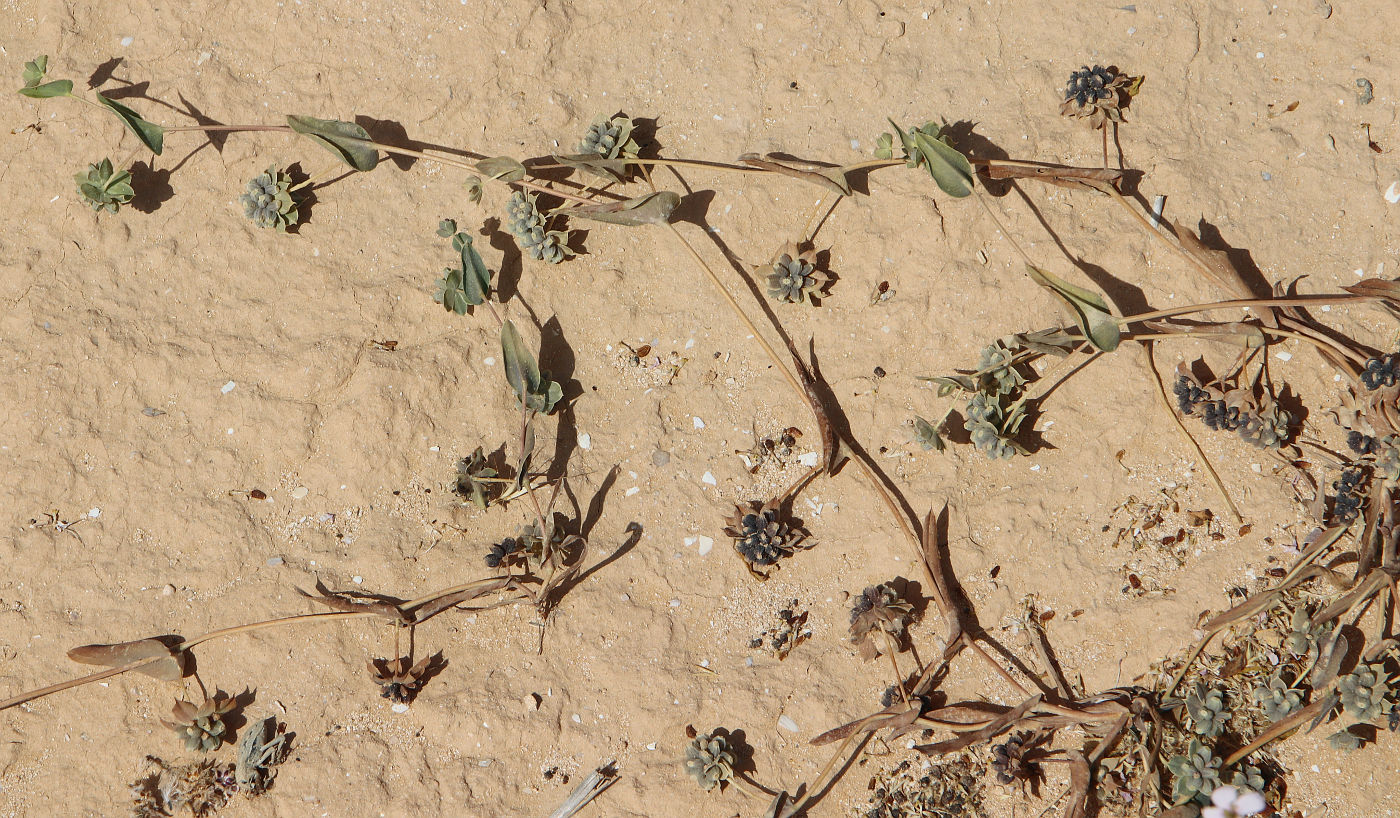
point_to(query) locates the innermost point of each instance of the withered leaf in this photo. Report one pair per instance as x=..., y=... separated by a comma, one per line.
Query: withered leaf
x=832, y=179
x=339, y=602
x=609, y=170
x=653, y=208
x=1239, y=333
x=988, y=732
x=1092, y=178
x=1217, y=265
x=171, y=665
x=502, y=167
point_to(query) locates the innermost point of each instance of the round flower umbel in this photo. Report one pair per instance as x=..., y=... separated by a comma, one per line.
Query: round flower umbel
x=105, y=188
x=609, y=138
x=793, y=276
x=1097, y=93
x=201, y=726
x=269, y=201
x=526, y=223
x=710, y=760
x=762, y=536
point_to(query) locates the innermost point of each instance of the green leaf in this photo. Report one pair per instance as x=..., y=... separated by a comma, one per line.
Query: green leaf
x=522, y=373
x=446, y=228
x=1089, y=309
x=150, y=134
x=346, y=140
x=474, y=189
x=34, y=70
x=57, y=88
x=911, y=149
x=926, y=434
x=884, y=146
x=476, y=279
x=948, y=167
x=949, y=384
x=503, y=168
x=653, y=208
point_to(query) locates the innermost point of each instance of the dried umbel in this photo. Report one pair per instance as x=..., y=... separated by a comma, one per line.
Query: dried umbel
x=262, y=747
x=709, y=760
x=525, y=222
x=269, y=202
x=1381, y=372
x=197, y=788
x=996, y=370
x=1350, y=491
x=879, y=621
x=104, y=188
x=1014, y=760
x=476, y=481
x=201, y=726
x=609, y=138
x=399, y=681
x=793, y=277
x=761, y=535
x=1097, y=93
x=991, y=431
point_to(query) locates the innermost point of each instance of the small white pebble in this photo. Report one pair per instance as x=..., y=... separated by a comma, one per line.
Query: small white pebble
x=228, y=387
x=690, y=343
x=689, y=541
x=400, y=708
x=585, y=441
x=485, y=762
x=708, y=479
x=1283, y=356
x=357, y=579
x=127, y=41
x=1326, y=307
x=1258, y=55
x=273, y=562
x=1035, y=467
x=300, y=492
x=809, y=459
x=631, y=491
x=699, y=424
x=489, y=361
x=651, y=746
x=675, y=603
x=577, y=718
x=1392, y=193
x=706, y=543
x=94, y=512
x=434, y=448
x=787, y=724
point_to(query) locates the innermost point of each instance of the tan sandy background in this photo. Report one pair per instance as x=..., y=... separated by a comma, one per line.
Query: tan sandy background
x=101, y=318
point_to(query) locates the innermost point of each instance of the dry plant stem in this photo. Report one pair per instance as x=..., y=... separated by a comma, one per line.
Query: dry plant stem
x=1167, y=404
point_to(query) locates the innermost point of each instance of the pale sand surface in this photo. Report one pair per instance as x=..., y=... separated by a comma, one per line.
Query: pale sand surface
x=103, y=317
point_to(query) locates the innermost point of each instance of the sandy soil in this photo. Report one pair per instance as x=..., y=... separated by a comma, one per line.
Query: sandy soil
x=255, y=349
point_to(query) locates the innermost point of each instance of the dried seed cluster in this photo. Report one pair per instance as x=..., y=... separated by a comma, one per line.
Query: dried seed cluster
x=1259, y=421
x=793, y=277
x=709, y=760
x=761, y=535
x=1097, y=93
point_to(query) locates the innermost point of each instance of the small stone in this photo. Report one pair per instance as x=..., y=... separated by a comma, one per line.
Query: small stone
x=809, y=459
x=585, y=441
x=167, y=590
x=675, y=603
x=787, y=724
x=94, y=513
x=699, y=424
x=577, y=718
x=1322, y=7
x=660, y=458
x=273, y=562
x=299, y=492
x=127, y=41
x=706, y=544
x=708, y=479
x=152, y=412
x=228, y=387
x=400, y=708
x=533, y=701
x=1392, y=193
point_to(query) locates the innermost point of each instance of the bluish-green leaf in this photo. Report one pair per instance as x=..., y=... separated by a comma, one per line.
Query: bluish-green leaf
x=948, y=167
x=1088, y=308
x=346, y=140
x=57, y=88
x=34, y=70
x=522, y=373
x=476, y=279
x=150, y=134
x=503, y=168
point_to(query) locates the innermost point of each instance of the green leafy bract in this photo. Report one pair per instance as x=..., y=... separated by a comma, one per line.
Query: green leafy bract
x=467, y=285
x=104, y=187
x=1089, y=309
x=535, y=391
x=33, y=75
x=150, y=134
x=346, y=140
x=948, y=167
x=653, y=208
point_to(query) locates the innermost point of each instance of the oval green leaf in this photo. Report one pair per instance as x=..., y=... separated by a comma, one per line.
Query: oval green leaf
x=1088, y=308
x=948, y=167
x=522, y=373
x=150, y=134
x=346, y=140
x=476, y=279
x=57, y=88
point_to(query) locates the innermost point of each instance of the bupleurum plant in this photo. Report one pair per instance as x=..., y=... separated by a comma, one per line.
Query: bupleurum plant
x=104, y=188
x=1098, y=94
x=269, y=201
x=609, y=138
x=1197, y=773
x=1208, y=712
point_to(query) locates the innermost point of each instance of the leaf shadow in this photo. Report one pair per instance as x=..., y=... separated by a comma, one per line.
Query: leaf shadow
x=152, y=186
x=557, y=359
